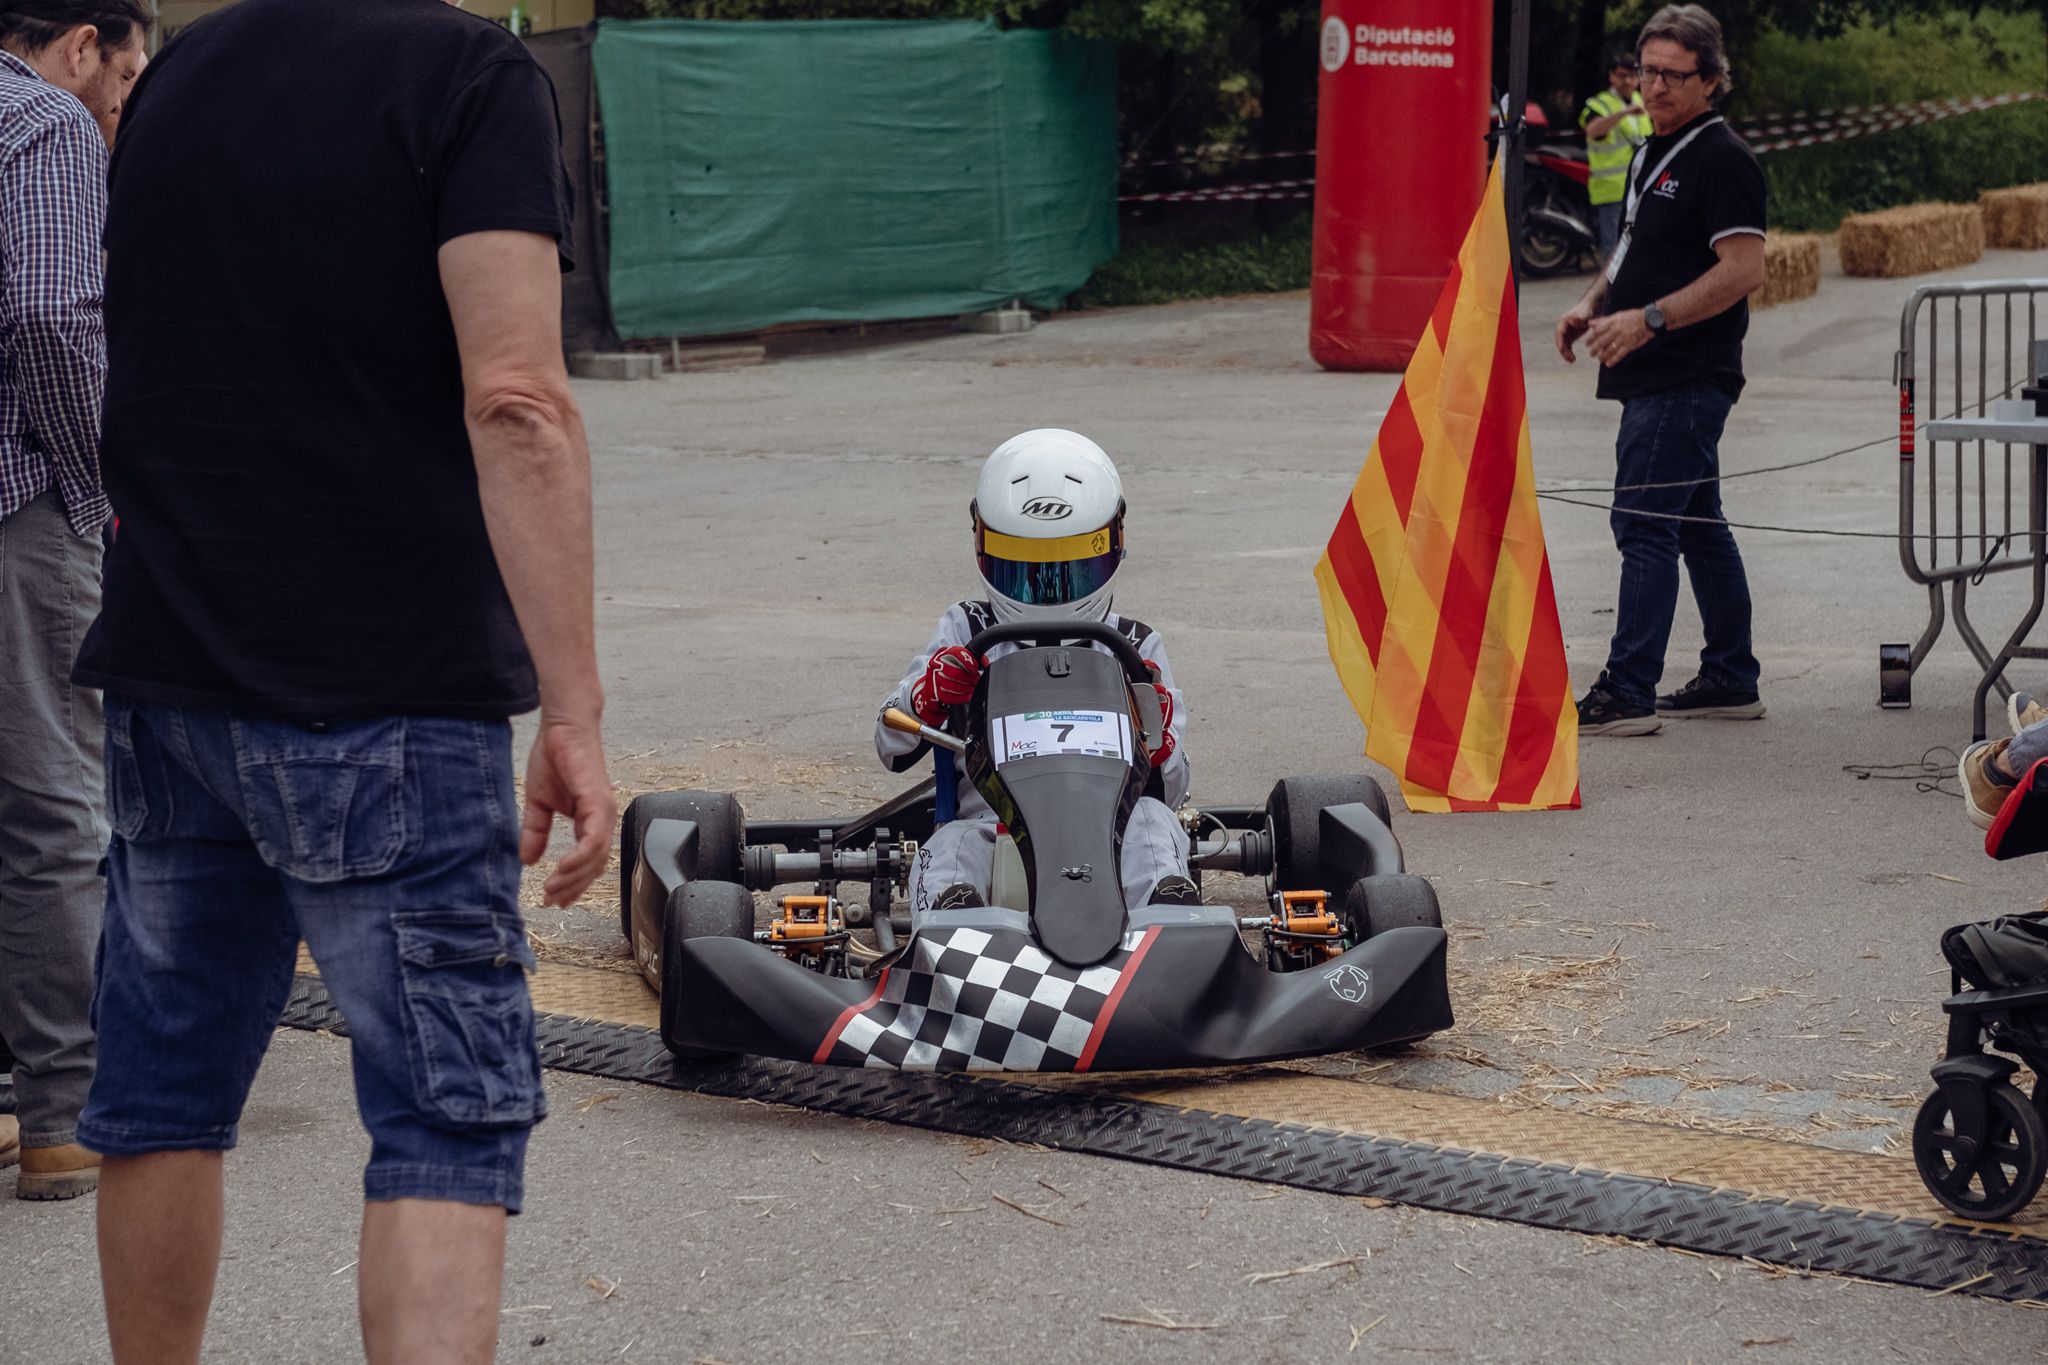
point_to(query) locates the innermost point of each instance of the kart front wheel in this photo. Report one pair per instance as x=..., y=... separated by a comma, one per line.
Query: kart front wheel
x=1294, y=814
x=1390, y=900
x=698, y=910
x=721, y=831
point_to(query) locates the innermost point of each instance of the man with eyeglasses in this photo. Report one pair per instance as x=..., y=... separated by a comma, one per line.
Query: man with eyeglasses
x=1666, y=321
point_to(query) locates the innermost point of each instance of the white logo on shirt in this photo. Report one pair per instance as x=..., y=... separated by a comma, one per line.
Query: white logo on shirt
x=1667, y=188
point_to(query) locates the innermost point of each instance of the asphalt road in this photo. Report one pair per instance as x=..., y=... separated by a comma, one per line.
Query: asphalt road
x=1734, y=931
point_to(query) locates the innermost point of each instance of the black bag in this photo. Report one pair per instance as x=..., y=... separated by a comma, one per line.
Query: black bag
x=2000, y=954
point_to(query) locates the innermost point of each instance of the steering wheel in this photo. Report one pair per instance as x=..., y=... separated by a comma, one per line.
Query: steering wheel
x=1056, y=633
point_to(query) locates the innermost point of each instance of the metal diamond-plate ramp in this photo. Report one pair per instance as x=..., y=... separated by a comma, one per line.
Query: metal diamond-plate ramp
x=1172, y=1125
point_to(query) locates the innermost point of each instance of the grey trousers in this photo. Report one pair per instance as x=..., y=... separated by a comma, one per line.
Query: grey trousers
x=53, y=824
x=1155, y=846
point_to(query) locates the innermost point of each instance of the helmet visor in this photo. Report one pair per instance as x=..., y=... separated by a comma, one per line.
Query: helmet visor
x=1050, y=573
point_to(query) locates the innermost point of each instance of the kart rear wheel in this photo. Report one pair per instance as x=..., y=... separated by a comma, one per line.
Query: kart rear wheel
x=698, y=910
x=1391, y=900
x=1995, y=1182
x=1294, y=813
x=721, y=832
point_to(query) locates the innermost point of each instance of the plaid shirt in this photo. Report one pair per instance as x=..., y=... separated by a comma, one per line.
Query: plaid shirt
x=53, y=341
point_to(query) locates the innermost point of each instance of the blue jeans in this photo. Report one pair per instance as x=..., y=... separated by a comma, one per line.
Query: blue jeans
x=1607, y=227
x=391, y=846
x=1674, y=438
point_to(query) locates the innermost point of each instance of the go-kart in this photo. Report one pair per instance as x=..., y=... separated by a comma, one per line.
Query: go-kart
x=1056, y=973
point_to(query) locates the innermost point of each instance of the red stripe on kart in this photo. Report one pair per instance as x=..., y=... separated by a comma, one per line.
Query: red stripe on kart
x=846, y=1017
x=1123, y=981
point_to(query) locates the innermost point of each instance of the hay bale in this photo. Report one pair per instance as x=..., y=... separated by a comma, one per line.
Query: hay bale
x=1791, y=269
x=1911, y=240
x=2016, y=218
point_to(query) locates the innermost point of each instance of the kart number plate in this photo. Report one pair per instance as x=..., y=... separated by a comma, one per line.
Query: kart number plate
x=1038, y=734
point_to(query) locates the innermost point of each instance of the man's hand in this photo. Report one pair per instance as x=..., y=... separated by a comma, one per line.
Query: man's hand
x=565, y=776
x=1610, y=338
x=949, y=679
x=1571, y=327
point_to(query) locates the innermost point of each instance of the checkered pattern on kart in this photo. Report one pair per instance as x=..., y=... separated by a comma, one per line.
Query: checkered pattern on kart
x=969, y=1000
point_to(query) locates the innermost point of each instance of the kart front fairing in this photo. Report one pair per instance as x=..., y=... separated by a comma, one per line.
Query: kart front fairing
x=1175, y=993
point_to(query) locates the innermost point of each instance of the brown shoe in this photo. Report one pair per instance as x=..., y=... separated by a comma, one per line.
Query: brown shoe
x=57, y=1172
x=1984, y=786
x=10, y=1140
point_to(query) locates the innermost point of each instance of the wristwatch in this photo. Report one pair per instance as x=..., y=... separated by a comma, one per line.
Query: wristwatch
x=1653, y=318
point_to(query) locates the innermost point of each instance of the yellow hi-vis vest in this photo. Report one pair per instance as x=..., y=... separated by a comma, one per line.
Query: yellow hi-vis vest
x=1608, y=157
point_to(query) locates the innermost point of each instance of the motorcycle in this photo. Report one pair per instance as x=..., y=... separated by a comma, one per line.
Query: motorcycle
x=1557, y=216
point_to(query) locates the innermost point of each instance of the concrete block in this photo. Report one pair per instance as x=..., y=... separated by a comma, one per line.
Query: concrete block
x=716, y=356
x=615, y=365
x=999, y=321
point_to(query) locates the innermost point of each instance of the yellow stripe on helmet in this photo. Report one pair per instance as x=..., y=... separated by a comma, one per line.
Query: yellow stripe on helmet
x=1024, y=551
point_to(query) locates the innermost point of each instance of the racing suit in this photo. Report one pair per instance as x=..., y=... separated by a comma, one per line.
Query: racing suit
x=963, y=850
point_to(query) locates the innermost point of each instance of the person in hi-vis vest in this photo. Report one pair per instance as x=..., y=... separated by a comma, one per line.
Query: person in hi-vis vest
x=1615, y=126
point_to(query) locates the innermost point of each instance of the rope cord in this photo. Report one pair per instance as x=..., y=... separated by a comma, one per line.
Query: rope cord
x=1926, y=776
x=1770, y=468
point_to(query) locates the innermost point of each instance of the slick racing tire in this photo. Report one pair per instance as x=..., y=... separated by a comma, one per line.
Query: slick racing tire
x=1294, y=812
x=698, y=910
x=1391, y=900
x=721, y=831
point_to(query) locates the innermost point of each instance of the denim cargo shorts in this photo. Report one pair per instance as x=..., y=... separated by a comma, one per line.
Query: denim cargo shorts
x=390, y=846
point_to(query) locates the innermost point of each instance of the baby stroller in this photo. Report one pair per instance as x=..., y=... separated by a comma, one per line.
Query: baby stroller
x=1980, y=1142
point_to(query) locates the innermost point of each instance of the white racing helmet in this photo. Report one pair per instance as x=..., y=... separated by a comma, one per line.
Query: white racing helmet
x=1049, y=527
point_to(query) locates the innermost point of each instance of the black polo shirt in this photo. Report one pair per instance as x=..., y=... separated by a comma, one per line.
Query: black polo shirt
x=300, y=526
x=1712, y=189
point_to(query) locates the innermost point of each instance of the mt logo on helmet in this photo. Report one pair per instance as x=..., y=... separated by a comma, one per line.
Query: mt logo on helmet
x=1047, y=509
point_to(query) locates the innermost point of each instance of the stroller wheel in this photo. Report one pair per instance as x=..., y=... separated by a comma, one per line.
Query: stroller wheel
x=1986, y=1182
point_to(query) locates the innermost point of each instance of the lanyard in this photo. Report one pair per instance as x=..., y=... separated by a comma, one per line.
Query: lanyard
x=1635, y=193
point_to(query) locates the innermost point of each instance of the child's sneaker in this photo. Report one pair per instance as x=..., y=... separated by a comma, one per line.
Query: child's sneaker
x=1700, y=699
x=1984, y=786
x=2021, y=710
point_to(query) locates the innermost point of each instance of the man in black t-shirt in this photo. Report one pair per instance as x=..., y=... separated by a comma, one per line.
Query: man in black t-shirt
x=1666, y=321
x=355, y=540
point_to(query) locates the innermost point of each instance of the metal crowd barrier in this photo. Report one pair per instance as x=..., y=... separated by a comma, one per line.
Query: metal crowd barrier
x=1983, y=508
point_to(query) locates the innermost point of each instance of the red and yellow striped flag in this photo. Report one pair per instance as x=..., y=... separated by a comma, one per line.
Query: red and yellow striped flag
x=1436, y=586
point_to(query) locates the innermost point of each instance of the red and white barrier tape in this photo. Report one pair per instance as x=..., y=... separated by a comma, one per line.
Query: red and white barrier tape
x=1269, y=189
x=1203, y=158
x=1779, y=134
x=1931, y=111
x=1875, y=116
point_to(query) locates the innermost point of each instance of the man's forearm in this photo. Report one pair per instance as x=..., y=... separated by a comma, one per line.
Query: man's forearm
x=64, y=361
x=1714, y=293
x=533, y=472
x=1602, y=126
x=1595, y=295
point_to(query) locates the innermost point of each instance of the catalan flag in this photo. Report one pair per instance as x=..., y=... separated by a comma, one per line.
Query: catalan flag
x=1436, y=586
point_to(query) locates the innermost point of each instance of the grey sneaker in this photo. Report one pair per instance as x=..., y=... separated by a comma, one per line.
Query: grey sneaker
x=2021, y=710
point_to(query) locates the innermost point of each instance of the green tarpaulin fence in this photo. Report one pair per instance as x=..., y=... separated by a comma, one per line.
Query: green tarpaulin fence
x=855, y=170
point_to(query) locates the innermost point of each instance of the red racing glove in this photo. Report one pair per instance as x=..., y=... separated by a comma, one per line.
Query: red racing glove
x=1165, y=749
x=949, y=679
